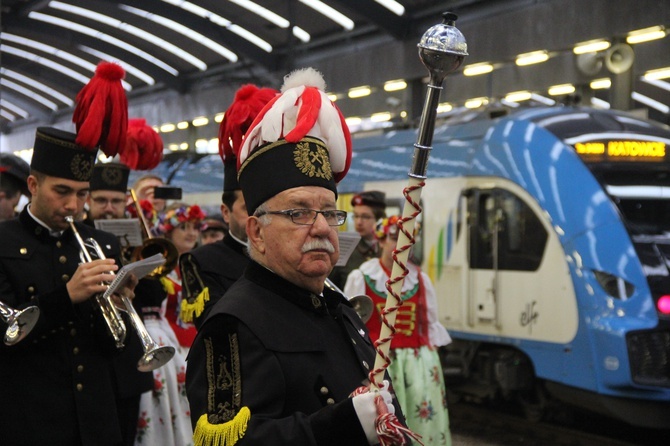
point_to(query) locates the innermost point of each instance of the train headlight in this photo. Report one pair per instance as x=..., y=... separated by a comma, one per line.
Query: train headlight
x=663, y=304
x=614, y=286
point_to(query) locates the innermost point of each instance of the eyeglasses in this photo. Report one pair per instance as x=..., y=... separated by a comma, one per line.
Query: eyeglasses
x=116, y=202
x=308, y=216
x=363, y=217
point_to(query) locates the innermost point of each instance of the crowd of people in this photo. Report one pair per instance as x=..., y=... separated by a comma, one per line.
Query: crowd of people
x=263, y=352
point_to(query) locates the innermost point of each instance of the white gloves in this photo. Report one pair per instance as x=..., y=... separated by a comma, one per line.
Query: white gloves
x=366, y=410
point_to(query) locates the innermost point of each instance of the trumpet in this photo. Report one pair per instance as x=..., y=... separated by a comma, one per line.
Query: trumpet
x=152, y=246
x=154, y=355
x=362, y=304
x=19, y=322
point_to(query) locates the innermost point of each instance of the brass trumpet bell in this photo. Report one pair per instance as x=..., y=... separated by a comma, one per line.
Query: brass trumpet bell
x=19, y=322
x=363, y=306
x=152, y=246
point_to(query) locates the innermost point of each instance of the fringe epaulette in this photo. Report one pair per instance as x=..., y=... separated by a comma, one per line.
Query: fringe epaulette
x=189, y=310
x=226, y=434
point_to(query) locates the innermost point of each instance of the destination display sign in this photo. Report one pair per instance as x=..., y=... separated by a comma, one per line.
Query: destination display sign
x=621, y=150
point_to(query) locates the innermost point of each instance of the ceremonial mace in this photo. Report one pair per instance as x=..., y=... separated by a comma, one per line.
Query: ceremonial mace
x=442, y=49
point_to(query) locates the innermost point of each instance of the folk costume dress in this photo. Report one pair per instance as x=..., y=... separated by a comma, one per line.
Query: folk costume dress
x=416, y=370
x=164, y=412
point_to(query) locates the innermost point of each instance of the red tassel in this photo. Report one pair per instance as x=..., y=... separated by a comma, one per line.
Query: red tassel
x=248, y=102
x=144, y=147
x=101, y=114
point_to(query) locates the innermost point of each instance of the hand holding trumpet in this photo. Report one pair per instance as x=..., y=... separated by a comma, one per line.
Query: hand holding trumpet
x=91, y=278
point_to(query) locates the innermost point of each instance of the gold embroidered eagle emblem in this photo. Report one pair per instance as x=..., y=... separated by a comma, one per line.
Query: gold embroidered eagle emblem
x=312, y=160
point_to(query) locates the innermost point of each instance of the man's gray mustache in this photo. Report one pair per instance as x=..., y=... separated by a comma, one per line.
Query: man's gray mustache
x=314, y=245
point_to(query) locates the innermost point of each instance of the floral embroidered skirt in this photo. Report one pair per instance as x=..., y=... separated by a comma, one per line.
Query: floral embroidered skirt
x=419, y=385
x=165, y=418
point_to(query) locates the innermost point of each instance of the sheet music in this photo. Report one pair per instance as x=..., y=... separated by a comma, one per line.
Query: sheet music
x=140, y=269
x=127, y=230
x=348, y=242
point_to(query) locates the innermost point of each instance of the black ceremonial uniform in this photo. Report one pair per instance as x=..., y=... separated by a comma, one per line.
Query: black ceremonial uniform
x=56, y=382
x=215, y=266
x=291, y=357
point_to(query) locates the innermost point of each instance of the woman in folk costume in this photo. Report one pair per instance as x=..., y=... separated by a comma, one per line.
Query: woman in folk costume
x=164, y=411
x=416, y=370
x=180, y=224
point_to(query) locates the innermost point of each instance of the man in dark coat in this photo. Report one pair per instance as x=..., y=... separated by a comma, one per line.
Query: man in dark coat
x=278, y=357
x=57, y=387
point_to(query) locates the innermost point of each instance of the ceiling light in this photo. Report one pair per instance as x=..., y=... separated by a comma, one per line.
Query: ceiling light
x=476, y=102
x=332, y=96
x=380, y=117
x=542, y=99
x=46, y=62
x=37, y=85
x=219, y=117
x=183, y=146
x=649, y=102
x=182, y=125
x=395, y=85
x=518, y=96
x=393, y=6
x=29, y=93
x=645, y=35
x=337, y=17
x=444, y=107
x=657, y=83
x=557, y=90
x=13, y=108
x=591, y=46
x=531, y=58
x=173, y=147
x=477, y=68
x=200, y=121
x=167, y=128
x=359, y=92
x=661, y=73
x=7, y=115
x=96, y=34
x=353, y=120
x=600, y=84
x=599, y=103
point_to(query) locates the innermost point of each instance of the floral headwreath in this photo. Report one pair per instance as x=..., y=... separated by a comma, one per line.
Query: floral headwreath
x=387, y=226
x=172, y=218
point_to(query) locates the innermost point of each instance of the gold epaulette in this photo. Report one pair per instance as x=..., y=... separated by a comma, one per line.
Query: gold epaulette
x=190, y=309
x=226, y=434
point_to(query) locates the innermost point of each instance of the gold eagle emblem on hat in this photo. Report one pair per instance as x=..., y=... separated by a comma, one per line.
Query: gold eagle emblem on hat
x=112, y=176
x=81, y=167
x=312, y=160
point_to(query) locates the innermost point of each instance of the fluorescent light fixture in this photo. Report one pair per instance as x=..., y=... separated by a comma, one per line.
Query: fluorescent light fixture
x=46, y=62
x=72, y=26
x=403, y=114
x=660, y=73
x=185, y=31
x=359, y=92
x=337, y=17
x=127, y=67
x=130, y=29
x=332, y=96
x=444, y=107
x=518, y=96
x=380, y=117
x=395, y=85
x=167, y=128
x=591, y=46
x=645, y=35
x=200, y=121
x=301, y=34
x=183, y=146
x=29, y=93
x=649, y=102
x=393, y=6
x=542, y=99
x=599, y=103
x=476, y=102
x=183, y=125
x=37, y=85
x=353, y=120
x=532, y=58
x=557, y=90
x=477, y=69
x=201, y=145
x=259, y=10
x=13, y=108
x=600, y=84
x=219, y=117
x=7, y=115
x=173, y=147
x=657, y=83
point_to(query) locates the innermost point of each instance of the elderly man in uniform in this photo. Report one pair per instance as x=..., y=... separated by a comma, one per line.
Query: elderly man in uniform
x=208, y=271
x=13, y=176
x=278, y=357
x=57, y=383
x=107, y=200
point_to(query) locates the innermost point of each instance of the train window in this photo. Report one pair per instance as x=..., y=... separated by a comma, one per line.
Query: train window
x=505, y=232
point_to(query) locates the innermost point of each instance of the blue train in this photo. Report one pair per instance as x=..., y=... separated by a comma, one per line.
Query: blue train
x=547, y=234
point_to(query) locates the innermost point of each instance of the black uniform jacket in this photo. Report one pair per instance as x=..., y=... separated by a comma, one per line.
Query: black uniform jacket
x=291, y=357
x=56, y=382
x=215, y=266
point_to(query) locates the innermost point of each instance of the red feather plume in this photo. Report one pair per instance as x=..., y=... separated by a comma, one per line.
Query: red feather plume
x=144, y=146
x=101, y=114
x=248, y=102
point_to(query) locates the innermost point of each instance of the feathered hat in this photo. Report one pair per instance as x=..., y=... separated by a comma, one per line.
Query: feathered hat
x=249, y=101
x=110, y=176
x=300, y=138
x=144, y=146
x=101, y=120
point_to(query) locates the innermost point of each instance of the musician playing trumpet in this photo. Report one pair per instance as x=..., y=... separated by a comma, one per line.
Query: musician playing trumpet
x=57, y=386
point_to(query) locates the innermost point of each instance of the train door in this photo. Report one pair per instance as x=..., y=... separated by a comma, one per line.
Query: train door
x=504, y=237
